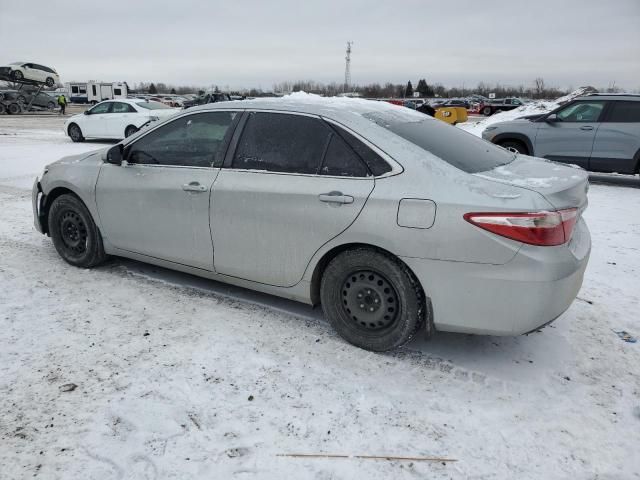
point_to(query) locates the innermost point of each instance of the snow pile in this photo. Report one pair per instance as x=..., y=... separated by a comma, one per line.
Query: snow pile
x=532, y=108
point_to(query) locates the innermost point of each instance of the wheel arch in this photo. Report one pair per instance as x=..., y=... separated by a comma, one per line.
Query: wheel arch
x=47, y=201
x=513, y=136
x=321, y=265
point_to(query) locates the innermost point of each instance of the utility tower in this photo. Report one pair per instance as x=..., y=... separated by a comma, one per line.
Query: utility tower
x=347, y=68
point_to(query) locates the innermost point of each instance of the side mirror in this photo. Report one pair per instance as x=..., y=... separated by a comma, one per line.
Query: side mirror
x=551, y=118
x=114, y=155
x=87, y=112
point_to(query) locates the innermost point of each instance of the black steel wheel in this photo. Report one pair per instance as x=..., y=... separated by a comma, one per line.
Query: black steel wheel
x=14, y=108
x=51, y=106
x=75, y=133
x=74, y=233
x=372, y=299
x=130, y=130
x=50, y=82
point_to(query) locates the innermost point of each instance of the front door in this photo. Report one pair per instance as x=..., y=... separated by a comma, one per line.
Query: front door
x=292, y=186
x=96, y=123
x=569, y=137
x=158, y=203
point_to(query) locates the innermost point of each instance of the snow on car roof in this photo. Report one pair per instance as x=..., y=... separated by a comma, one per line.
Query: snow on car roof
x=332, y=107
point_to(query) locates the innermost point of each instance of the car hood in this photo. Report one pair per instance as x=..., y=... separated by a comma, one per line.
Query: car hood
x=71, y=159
x=563, y=186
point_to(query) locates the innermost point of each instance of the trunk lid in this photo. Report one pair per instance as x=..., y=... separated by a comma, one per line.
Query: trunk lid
x=563, y=186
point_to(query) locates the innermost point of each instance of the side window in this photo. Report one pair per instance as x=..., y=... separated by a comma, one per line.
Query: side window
x=117, y=91
x=507, y=101
x=377, y=165
x=341, y=161
x=581, y=112
x=280, y=142
x=101, y=108
x=624, y=112
x=93, y=87
x=193, y=141
x=74, y=89
x=119, y=107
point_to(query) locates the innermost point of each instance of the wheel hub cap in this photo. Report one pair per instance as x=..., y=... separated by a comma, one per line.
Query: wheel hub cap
x=369, y=300
x=73, y=232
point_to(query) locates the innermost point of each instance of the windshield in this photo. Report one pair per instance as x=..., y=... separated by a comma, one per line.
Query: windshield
x=453, y=145
x=153, y=105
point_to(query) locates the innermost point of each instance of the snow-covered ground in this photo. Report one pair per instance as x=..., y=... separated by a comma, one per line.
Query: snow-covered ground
x=532, y=108
x=184, y=378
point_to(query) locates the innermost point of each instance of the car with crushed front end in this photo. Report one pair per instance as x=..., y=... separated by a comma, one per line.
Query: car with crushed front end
x=597, y=132
x=394, y=222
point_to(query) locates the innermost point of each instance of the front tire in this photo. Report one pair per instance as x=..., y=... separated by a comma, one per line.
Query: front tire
x=74, y=233
x=372, y=300
x=51, y=106
x=75, y=133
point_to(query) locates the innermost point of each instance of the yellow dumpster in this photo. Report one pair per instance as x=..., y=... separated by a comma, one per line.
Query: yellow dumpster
x=452, y=115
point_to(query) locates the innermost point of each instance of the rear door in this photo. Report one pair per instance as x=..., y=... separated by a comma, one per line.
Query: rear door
x=122, y=115
x=289, y=186
x=158, y=203
x=617, y=141
x=569, y=138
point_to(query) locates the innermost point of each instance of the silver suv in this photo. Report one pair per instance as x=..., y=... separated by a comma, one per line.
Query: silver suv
x=600, y=133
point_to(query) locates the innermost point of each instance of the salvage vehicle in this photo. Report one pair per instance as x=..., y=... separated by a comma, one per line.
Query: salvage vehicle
x=34, y=72
x=499, y=105
x=207, y=98
x=390, y=220
x=115, y=119
x=597, y=132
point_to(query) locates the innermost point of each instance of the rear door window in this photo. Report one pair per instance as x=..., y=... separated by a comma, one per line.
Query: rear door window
x=341, y=161
x=120, y=107
x=280, y=142
x=624, y=112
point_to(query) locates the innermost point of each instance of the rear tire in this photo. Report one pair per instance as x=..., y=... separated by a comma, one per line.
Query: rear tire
x=515, y=145
x=14, y=108
x=50, y=82
x=74, y=233
x=372, y=300
x=75, y=133
x=17, y=75
x=130, y=130
x=486, y=111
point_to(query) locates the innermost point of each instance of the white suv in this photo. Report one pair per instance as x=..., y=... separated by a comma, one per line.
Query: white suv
x=34, y=72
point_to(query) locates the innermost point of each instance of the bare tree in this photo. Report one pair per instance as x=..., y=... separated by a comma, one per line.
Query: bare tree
x=539, y=86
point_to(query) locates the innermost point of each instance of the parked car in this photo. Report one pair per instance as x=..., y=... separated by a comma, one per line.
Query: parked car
x=597, y=132
x=207, y=98
x=15, y=95
x=499, y=105
x=42, y=100
x=455, y=102
x=34, y=72
x=115, y=119
x=392, y=221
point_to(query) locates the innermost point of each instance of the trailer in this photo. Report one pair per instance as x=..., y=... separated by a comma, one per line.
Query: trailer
x=94, y=92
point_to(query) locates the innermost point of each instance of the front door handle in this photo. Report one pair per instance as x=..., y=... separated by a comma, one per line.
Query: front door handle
x=194, y=187
x=335, y=197
x=586, y=127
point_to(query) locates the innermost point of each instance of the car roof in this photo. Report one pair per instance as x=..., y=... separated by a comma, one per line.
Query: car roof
x=612, y=96
x=336, y=108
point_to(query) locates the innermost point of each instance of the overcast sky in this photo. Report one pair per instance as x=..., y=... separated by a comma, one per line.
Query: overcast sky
x=254, y=43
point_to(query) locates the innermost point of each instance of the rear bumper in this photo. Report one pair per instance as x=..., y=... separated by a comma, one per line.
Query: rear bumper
x=531, y=290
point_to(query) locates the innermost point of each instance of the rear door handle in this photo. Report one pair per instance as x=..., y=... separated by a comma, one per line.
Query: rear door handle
x=335, y=197
x=586, y=127
x=194, y=187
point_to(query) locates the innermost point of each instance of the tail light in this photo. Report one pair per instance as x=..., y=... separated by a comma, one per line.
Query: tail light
x=537, y=228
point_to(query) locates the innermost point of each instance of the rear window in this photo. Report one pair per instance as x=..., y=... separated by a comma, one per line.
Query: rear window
x=456, y=147
x=153, y=105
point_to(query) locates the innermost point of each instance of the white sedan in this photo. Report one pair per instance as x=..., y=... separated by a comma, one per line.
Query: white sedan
x=116, y=119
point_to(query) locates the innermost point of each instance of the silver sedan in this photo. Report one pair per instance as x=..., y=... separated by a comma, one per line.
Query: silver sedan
x=392, y=221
